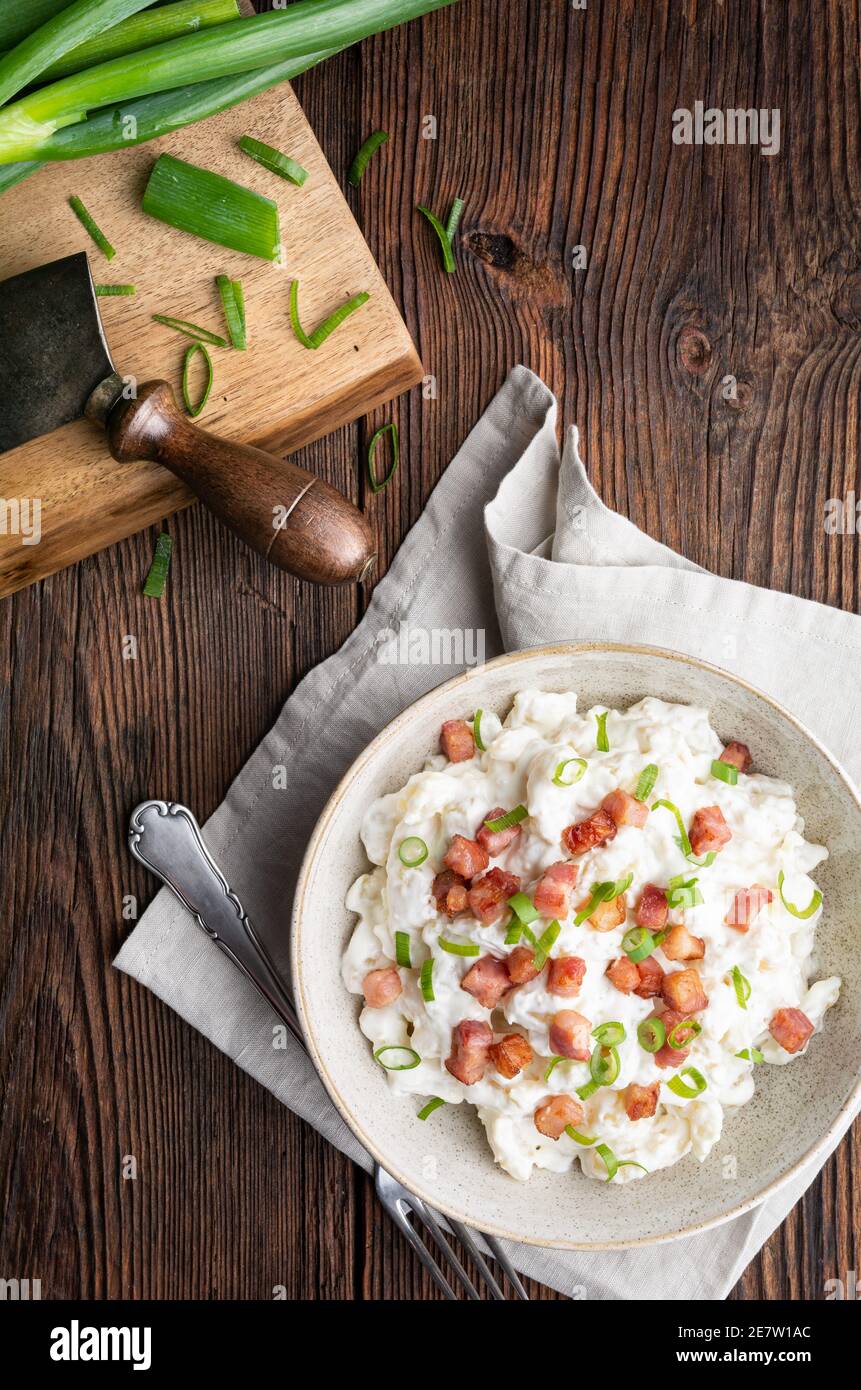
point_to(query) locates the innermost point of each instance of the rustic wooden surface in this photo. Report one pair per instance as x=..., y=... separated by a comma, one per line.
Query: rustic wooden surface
x=703, y=263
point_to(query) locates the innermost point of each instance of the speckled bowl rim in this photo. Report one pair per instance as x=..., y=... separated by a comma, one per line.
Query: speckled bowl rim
x=413, y=712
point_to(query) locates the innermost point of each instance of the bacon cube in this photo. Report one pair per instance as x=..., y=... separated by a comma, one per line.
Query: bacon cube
x=495, y=841
x=790, y=1028
x=449, y=891
x=570, y=1035
x=487, y=981
x=488, y=895
x=470, y=1050
x=673, y=1056
x=456, y=740
x=554, y=1113
x=608, y=915
x=381, y=987
x=653, y=907
x=624, y=974
x=746, y=904
x=641, y=1102
x=511, y=1054
x=586, y=834
x=679, y=944
x=552, y=896
x=521, y=965
x=737, y=755
x=566, y=975
x=683, y=990
x=709, y=831
x=625, y=809
x=466, y=857
x=651, y=978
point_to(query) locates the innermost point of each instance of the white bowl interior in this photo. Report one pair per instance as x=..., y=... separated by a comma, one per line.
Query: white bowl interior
x=447, y=1160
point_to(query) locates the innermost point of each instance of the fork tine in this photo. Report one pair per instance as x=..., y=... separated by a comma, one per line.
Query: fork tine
x=428, y=1217
x=464, y=1235
x=504, y=1262
x=393, y=1207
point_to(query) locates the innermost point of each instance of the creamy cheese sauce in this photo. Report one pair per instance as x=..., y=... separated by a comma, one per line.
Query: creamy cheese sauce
x=447, y=799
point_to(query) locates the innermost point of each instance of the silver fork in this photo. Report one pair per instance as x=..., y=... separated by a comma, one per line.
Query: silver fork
x=166, y=839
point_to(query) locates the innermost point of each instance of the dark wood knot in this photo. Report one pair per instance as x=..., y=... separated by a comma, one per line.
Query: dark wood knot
x=739, y=397
x=693, y=350
x=494, y=248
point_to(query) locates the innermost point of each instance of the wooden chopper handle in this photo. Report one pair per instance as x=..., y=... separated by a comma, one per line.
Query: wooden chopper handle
x=294, y=520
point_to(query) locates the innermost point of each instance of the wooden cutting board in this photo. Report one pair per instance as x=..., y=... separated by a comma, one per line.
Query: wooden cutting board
x=277, y=395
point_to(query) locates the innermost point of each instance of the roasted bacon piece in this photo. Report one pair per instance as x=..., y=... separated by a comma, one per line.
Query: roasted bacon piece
x=554, y=1113
x=449, y=891
x=651, y=978
x=641, y=1102
x=746, y=904
x=625, y=809
x=381, y=987
x=737, y=755
x=511, y=1054
x=679, y=944
x=456, y=740
x=652, y=908
x=790, y=1028
x=470, y=1050
x=495, y=841
x=487, y=981
x=488, y=895
x=566, y=976
x=683, y=990
x=466, y=857
x=709, y=831
x=552, y=896
x=521, y=965
x=586, y=834
x=671, y=1056
x=624, y=974
x=570, y=1035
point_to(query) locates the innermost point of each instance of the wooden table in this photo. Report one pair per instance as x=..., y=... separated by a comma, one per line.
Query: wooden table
x=703, y=263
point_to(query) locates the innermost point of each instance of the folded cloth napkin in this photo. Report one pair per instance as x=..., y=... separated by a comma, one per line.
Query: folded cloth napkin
x=557, y=565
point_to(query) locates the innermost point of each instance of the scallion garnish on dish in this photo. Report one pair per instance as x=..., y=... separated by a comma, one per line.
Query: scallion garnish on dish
x=363, y=157
x=433, y=1104
x=233, y=304
x=157, y=577
x=682, y=1034
x=584, y=1139
x=323, y=330
x=603, y=893
x=377, y=484
x=190, y=353
x=273, y=160
x=683, y=839
x=637, y=943
x=688, y=1092
x=191, y=330
x=508, y=821
x=476, y=730
x=801, y=912
x=402, y=1051
x=646, y=782
x=402, y=950
x=751, y=1054
x=92, y=228
x=524, y=912
x=652, y=1034
x=545, y=944
x=209, y=206
x=741, y=985
x=560, y=780
x=588, y=1089
x=682, y=892
x=602, y=742
x=426, y=981
x=413, y=851
x=613, y=1164
x=553, y=1064
x=457, y=948
x=604, y=1065
x=725, y=772
x=609, y=1034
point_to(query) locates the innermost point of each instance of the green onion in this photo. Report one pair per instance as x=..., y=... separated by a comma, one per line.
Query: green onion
x=609, y=1034
x=508, y=821
x=638, y=943
x=652, y=1034
x=725, y=772
x=57, y=36
x=391, y=428
x=518, y=929
x=604, y=1065
x=395, y=1066
x=742, y=987
x=545, y=944
x=683, y=839
x=360, y=163
x=442, y=237
x=433, y=1104
x=683, y=1033
x=413, y=851
x=603, y=893
x=454, y=217
x=273, y=160
x=209, y=206
x=233, y=304
x=476, y=730
x=647, y=780
x=91, y=226
x=107, y=291
x=554, y=1063
x=588, y=1089
x=328, y=326
x=191, y=330
x=524, y=907
x=402, y=950
x=17, y=20
x=613, y=1164
x=750, y=1055
x=191, y=353
x=602, y=742
x=560, y=781
x=10, y=174
x=683, y=892
x=679, y=1088
x=455, y=948
x=584, y=1139
x=157, y=577
x=426, y=981
x=801, y=912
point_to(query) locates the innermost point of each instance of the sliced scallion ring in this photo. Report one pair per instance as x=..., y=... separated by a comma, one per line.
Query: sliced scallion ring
x=426, y=981
x=751, y=1054
x=191, y=352
x=545, y=944
x=397, y=1066
x=560, y=780
x=362, y=159
x=524, y=907
x=157, y=577
x=402, y=950
x=680, y=1087
x=683, y=1033
x=604, y=1065
x=233, y=305
x=508, y=821
x=682, y=892
x=725, y=772
x=377, y=484
x=637, y=943
x=456, y=948
x=412, y=851
x=433, y=1104
x=609, y=1034
x=652, y=1034
x=554, y=1062
x=648, y=778
x=602, y=742
x=584, y=1139
x=801, y=912
x=588, y=1089
x=613, y=1164
x=476, y=730
x=742, y=987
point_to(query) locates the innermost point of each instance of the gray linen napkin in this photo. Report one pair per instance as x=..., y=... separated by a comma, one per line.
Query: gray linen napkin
x=557, y=564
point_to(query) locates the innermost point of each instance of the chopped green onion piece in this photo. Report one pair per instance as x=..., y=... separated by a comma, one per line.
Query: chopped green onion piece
x=554, y=1062
x=603, y=893
x=328, y=326
x=191, y=330
x=508, y=821
x=602, y=742
x=560, y=781
x=454, y=217
x=683, y=839
x=679, y=1088
x=647, y=780
x=209, y=206
x=395, y=1066
x=360, y=163
x=802, y=913
x=609, y=1034
x=157, y=577
x=584, y=1139
x=391, y=428
x=92, y=228
x=191, y=352
x=725, y=772
x=107, y=291
x=683, y=892
x=426, y=981
x=638, y=943
x=273, y=160
x=413, y=851
x=233, y=306
x=652, y=1034
x=402, y=950
x=683, y=1033
x=752, y=1054
x=476, y=730
x=604, y=1065
x=524, y=907
x=742, y=987
x=545, y=944
x=588, y=1089
x=613, y=1164
x=433, y=1104
x=442, y=235
x=455, y=948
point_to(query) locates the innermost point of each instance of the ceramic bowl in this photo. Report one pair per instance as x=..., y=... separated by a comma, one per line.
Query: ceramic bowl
x=797, y=1110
